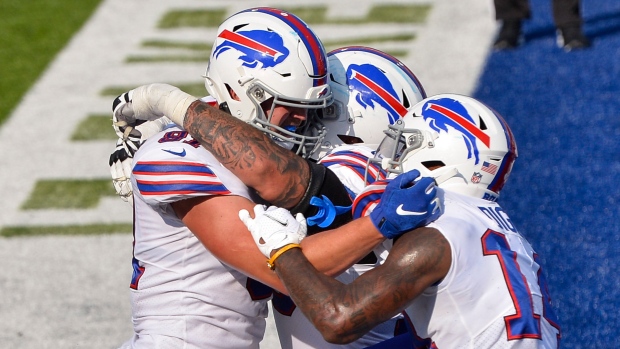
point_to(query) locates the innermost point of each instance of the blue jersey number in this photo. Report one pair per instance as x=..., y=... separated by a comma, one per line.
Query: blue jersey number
x=524, y=323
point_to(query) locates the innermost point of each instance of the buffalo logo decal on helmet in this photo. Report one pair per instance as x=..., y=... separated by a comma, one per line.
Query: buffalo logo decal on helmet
x=444, y=112
x=254, y=46
x=374, y=87
x=313, y=45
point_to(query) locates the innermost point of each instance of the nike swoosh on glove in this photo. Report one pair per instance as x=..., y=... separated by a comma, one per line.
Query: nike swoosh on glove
x=408, y=202
x=274, y=227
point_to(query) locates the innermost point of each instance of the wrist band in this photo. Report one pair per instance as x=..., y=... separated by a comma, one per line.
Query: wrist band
x=271, y=263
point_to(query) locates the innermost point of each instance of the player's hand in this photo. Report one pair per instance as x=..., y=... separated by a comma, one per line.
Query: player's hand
x=120, y=168
x=407, y=203
x=274, y=227
x=151, y=102
x=122, y=114
x=131, y=134
x=127, y=124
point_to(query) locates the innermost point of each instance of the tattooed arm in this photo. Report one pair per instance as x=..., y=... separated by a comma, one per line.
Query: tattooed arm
x=343, y=313
x=278, y=175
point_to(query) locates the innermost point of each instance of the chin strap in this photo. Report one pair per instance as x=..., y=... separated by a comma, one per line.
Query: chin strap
x=445, y=176
x=317, y=177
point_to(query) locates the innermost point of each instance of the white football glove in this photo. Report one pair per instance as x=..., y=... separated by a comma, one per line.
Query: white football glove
x=120, y=169
x=274, y=227
x=150, y=102
x=127, y=126
x=131, y=134
x=123, y=119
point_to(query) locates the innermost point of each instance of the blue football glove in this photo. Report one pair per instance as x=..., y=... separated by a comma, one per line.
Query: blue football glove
x=407, y=203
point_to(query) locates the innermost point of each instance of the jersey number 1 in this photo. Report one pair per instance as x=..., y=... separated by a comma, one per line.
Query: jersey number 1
x=525, y=323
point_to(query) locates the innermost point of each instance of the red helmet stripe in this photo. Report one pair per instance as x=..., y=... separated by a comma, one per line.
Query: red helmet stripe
x=392, y=101
x=247, y=42
x=468, y=125
x=313, y=45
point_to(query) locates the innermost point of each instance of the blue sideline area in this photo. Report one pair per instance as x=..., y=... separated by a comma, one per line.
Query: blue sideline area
x=564, y=191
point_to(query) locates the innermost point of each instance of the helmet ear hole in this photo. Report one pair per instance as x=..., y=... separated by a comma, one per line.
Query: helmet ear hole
x=483, y=126
x=231, y=92
x=433, y=165
x=406, y=102
x=350, y=139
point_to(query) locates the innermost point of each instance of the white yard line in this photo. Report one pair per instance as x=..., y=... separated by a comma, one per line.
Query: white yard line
x=71, y=292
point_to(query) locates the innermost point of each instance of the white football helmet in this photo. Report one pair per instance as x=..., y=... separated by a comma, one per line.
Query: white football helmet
x=371, y=90
x=265, y=54
x=465, y=145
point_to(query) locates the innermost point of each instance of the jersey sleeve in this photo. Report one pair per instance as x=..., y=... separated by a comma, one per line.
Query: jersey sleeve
x=368, y=198
x=349, y=163
x=178, y=171
x=210, y=100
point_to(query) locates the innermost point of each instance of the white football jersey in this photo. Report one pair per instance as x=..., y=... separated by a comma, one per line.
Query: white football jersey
x=494, y=295
x=349, y=162
x=181, y=295
x=294, y=330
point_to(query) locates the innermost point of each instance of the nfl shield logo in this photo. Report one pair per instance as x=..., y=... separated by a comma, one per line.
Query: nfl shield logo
x=476, y=177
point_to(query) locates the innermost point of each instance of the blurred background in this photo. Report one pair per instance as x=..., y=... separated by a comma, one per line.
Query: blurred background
x=65, y=239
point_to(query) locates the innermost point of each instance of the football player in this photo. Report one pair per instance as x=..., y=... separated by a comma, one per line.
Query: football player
x=184, y=197
x=467, y=280
x=371, y=90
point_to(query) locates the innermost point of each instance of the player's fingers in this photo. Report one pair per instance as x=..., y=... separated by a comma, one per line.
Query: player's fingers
x=118, y=100
x=408, y=178
x=112, y=159
x=114, y=170
x=299, y=217
x=438, y=207
x=244, y=215
x=126, y=189
x=126, y=168
x=259, y=210
x=428, y=184
x=271, y=208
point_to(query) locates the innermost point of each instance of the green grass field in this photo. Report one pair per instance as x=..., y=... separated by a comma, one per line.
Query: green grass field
x=32, y=33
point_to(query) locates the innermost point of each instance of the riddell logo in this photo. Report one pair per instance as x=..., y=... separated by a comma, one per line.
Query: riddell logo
x=256, y=48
